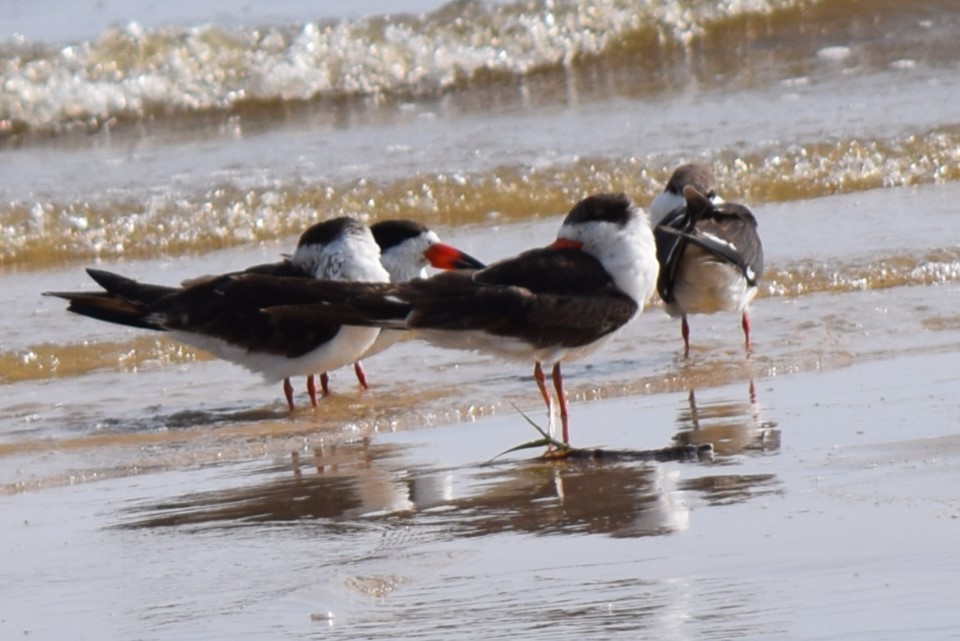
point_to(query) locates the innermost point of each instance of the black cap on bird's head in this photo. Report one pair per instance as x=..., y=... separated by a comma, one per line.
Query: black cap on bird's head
x=391, y=234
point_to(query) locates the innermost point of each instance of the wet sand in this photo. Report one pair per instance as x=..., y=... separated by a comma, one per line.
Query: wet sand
x=830, y=511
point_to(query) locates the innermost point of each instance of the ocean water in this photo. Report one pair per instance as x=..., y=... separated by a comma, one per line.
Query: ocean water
x=169, y=141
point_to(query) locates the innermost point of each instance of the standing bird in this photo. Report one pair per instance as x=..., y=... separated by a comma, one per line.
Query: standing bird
x=549, y=305
x=710, y=253
x=406, y=249
x=233, y=327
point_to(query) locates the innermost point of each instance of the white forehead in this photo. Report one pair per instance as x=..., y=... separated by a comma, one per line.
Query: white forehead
x=406, y=259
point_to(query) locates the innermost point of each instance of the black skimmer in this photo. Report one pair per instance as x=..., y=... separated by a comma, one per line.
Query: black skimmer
x=206, y=314
x=710, y=253
x=549, y=305
x=407, y=248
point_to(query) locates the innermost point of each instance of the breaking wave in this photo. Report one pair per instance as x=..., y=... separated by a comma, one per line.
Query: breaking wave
x=133, y=73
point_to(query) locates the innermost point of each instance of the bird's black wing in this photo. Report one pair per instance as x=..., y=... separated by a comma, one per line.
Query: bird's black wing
x=560, y=297
x=218, y=308
x=730, y=232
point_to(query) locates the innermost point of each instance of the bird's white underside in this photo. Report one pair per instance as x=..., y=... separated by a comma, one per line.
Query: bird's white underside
x=346, y=347
x=705, y=285
x=507, y=347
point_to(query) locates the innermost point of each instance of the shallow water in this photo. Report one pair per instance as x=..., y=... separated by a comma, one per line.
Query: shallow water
x=149, y=492
x=848, y=501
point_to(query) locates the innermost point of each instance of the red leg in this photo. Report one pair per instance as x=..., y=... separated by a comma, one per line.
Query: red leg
x=561, y=399
x=325, y=384
x=542, y=384
x=745, y=323
x=288, y=392
x=361, y=375
x=312, y=390
x=685, y=332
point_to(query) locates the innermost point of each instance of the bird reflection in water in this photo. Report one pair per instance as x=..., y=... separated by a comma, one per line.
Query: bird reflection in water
x=731, y=426
x=358, y=484
x=615, y=499
x=344, y=484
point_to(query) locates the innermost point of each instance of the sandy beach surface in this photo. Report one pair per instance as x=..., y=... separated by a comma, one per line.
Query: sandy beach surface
x=831, y=513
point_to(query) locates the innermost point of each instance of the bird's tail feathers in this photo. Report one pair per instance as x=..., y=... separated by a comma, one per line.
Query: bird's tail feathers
x=129, y=288
x=108, y=307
